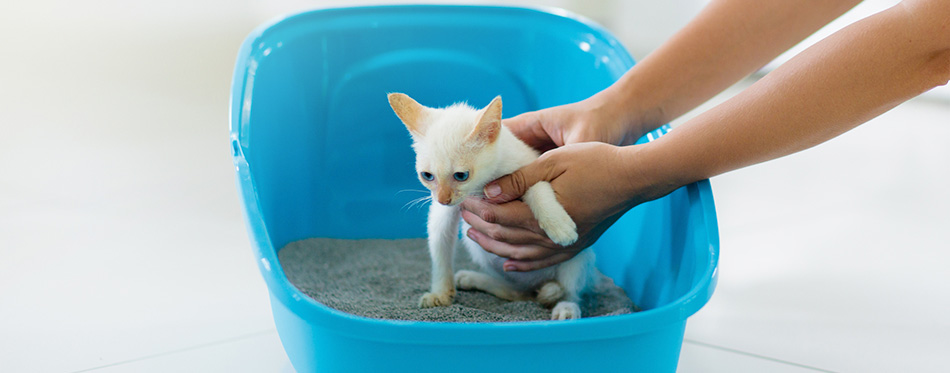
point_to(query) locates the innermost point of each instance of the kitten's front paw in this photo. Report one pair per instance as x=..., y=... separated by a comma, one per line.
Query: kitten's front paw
x=436, y=300
x=561, y=229
x=566, y=311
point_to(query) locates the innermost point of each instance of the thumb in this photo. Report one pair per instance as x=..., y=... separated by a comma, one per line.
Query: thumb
x=517, y=123
x=527, y=127
x=512, y=186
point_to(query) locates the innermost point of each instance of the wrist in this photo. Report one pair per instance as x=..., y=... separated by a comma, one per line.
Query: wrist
x=649, y=173
x=636, y=109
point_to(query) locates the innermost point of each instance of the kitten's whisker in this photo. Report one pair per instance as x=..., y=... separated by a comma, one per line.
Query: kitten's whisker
x=421, y=201
x=413, y=190
x=408, y=206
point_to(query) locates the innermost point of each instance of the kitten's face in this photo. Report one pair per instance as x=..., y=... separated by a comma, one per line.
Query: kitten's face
x=454, y=146
x=452, y=174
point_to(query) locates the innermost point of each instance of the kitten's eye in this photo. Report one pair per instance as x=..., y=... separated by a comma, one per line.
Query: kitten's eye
x=426, y=176
x=461, y=176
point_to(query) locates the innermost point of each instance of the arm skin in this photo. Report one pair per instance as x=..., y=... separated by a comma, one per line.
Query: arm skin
x=834, y=86
x=725, y=42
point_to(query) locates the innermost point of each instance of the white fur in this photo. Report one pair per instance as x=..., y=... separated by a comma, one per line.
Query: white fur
x=443, y=144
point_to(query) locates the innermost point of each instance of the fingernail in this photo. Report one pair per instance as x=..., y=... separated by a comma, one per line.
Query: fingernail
x=492, y=190
x=470, y=233
x=508, y=268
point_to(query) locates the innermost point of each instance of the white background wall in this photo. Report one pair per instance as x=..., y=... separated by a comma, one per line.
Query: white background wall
x=122, y=246
x=641, y=25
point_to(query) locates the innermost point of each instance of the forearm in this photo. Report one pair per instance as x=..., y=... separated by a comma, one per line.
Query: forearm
x=727, y=41
x=839, y=83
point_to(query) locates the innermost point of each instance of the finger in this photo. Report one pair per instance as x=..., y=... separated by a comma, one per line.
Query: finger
x=511, y=235
x=505, y=250
x=517, y=123
x=512, y=265
x=512, y=186
x=527, y=127
x=515, y=214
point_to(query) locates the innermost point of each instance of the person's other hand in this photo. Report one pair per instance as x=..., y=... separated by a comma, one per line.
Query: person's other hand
x=593, y=119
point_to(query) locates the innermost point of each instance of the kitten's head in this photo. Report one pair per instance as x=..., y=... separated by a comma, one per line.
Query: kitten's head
x=454, y=146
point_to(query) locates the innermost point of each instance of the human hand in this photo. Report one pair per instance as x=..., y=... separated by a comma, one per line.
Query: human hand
x=595, y=182
x=594, y=119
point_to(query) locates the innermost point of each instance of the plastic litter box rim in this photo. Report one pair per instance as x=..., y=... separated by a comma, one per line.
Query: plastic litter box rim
x=423, y=332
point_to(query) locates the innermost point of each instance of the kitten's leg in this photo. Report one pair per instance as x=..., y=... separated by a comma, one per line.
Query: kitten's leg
x=482, y=280
x=468, y=280
x=443, y=230
x=550, y=293
x=574, y=276
x=550, y=214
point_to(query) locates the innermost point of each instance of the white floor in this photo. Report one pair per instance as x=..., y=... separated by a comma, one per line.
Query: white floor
x=122, y=246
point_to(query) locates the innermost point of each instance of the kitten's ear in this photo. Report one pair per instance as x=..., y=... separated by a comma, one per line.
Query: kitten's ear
x=409, y=111
x=489, y=124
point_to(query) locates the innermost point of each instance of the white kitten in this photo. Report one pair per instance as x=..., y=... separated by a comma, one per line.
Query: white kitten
x=458, y=150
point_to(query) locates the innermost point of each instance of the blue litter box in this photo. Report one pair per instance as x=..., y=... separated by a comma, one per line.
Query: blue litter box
x=319, y=153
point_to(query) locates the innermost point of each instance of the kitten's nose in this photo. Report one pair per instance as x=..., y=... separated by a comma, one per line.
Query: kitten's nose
x=445, y=196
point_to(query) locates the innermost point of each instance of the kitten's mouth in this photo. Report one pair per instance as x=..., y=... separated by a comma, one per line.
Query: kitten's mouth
x=455, y=201
x=456, y=198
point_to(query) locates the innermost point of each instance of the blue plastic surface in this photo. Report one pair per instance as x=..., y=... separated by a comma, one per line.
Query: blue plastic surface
x=319, y=153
